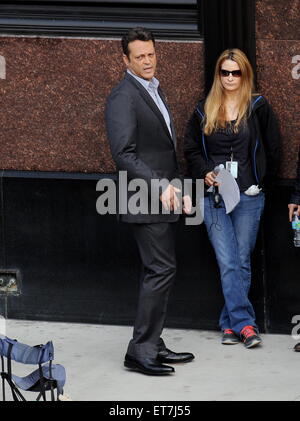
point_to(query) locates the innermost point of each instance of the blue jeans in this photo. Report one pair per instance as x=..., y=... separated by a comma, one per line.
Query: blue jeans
x=233, y=237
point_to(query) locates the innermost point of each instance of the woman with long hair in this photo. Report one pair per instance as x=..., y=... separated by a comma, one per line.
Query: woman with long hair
x=237, y=128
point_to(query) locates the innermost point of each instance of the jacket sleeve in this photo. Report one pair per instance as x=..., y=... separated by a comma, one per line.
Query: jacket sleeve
x=197, y=165
x=295, y=198
x=272, y=141
x=121, y=125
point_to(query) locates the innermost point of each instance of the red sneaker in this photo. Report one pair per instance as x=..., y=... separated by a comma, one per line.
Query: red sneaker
x=229, y=337
x=250, y=337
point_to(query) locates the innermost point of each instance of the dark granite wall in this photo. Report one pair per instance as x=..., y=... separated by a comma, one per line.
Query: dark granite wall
x=52, y=100
x=278, y=70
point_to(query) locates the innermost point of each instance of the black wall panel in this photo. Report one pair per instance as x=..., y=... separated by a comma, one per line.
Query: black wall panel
x=282, y=264
x=78, y=266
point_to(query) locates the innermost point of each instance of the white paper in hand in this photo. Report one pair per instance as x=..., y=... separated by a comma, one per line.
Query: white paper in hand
x=228, y=189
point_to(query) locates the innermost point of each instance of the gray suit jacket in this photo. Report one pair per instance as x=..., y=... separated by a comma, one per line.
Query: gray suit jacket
x=140, y=141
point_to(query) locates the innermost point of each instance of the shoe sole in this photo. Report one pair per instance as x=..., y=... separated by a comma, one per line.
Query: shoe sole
x=254, y=343
x=229, y=342
x=165, y=361
x=135, y=367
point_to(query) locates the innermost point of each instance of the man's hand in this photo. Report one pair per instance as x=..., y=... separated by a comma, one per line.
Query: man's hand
x=293, y=208
x=187, y=204
x=169, y=199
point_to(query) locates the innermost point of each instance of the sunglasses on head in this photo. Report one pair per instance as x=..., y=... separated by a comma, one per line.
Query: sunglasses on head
x=226, y=73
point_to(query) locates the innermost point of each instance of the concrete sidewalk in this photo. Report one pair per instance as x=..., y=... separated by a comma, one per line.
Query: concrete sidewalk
x=93, y=358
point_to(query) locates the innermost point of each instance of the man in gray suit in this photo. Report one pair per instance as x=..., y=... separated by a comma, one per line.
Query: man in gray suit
x=142, y=140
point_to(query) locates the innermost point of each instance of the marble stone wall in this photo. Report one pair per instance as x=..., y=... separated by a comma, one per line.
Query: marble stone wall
x=52, y=98
x=278, y=70
x=53, y=90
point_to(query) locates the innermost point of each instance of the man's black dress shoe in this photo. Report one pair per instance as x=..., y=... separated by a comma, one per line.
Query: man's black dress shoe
x=168, y=356
x=297, y=347
x=147, y=366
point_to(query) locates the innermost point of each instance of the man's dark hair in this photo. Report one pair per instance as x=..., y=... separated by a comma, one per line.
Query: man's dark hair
x=141, y=34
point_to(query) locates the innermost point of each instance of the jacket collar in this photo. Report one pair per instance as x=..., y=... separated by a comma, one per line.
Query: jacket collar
x=147, y=97
x=256, y=102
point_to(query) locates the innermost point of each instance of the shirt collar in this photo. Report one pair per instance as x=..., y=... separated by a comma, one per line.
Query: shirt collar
x=153, y=83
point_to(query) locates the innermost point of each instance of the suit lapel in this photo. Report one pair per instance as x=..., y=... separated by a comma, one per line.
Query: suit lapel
x=147, y=97
x=170, y=114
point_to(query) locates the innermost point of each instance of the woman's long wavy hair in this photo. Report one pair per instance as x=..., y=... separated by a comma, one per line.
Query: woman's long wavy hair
x=214, y=104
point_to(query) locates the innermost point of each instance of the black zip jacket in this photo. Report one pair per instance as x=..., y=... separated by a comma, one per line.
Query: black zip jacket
x=265, y=143
x=295, y=198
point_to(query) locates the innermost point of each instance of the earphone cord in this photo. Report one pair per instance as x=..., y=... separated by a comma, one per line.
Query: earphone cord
x=211, y=207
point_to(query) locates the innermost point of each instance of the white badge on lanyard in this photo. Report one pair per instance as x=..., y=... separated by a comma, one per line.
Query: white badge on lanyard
x=232, y=167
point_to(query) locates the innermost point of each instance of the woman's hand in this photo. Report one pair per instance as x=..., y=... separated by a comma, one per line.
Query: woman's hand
x=210, y=179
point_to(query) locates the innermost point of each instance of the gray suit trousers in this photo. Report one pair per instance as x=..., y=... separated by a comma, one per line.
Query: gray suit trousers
x=156, y=244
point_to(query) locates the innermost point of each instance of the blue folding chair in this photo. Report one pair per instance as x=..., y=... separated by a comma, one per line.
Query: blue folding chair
x=47, y=377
